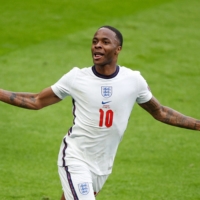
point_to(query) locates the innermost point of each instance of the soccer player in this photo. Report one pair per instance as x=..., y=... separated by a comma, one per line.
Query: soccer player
x=103, y=96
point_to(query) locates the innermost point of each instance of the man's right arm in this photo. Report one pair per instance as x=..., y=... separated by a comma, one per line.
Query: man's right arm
x=34, y=101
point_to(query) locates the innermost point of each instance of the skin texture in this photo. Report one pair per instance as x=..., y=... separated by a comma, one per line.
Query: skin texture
x=170, y=116
x=105, y=50
x=62, y=197
x=33, y=101
x=107, y=45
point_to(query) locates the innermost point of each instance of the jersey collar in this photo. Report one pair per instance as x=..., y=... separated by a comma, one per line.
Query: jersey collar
x=104, y=76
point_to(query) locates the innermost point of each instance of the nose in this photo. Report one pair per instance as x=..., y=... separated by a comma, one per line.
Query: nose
x=98, y=45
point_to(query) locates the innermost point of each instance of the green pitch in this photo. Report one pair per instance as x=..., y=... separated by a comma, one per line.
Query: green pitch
x=42, y=40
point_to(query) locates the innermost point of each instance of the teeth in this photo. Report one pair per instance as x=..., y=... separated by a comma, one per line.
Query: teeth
x=98, y=55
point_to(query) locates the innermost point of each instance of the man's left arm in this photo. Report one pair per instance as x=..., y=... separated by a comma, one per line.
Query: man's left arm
x=169, y=116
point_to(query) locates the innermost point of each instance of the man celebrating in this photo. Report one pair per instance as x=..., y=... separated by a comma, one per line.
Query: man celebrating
x=103, y=96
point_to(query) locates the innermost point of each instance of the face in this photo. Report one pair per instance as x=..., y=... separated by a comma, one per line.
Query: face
x=105, y=47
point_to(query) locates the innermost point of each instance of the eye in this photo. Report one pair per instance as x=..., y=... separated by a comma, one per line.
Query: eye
x=106, y=42
x=94, y=41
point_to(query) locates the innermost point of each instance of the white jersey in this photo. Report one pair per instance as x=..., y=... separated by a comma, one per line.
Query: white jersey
x=101, y=108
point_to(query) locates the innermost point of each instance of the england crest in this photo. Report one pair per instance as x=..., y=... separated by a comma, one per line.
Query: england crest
x=106, y=91
x=84, y=188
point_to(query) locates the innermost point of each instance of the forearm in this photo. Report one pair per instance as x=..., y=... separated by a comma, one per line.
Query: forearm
x=23, y=100
x=170, y=116
x=174, y=118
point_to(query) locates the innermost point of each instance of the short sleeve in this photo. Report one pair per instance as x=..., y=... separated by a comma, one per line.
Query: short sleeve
x=62, y=87
x=144, y=92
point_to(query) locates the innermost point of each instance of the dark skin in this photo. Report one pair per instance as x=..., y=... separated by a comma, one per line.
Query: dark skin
x=169, y=116
x=33, y=101
x=105, y=50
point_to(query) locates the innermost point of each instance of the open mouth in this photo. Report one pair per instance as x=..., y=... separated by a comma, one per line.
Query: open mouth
x=98, y=55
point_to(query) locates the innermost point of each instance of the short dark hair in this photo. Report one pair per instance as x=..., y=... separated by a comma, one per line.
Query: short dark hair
x=117, y=32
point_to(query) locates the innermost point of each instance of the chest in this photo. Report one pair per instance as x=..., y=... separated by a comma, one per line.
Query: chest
x=96, y=93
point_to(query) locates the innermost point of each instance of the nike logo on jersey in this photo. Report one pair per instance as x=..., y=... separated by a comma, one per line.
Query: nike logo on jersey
x=105, y=102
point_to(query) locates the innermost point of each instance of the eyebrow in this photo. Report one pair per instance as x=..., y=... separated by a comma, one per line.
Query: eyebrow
x=104, y=38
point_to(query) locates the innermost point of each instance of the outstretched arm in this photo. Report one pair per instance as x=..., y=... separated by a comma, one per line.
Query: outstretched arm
x=170, y=116
x=34, y=101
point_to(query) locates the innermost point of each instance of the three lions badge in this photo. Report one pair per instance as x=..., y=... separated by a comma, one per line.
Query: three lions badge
x=84, y=188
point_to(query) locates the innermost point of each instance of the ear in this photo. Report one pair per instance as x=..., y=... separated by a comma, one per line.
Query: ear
x=119, y=48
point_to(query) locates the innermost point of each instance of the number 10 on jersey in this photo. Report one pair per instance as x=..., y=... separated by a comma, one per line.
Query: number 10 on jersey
x=106, y=118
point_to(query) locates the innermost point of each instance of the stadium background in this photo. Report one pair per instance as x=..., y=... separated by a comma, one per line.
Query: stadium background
x=42, y=40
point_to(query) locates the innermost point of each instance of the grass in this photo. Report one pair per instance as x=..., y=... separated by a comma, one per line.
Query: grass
x=40, y=41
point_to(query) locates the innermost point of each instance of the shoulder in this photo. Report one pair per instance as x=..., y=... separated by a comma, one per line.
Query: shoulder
x=132, y=75
x=76, y=71
x=129, y=72
x=80, y=70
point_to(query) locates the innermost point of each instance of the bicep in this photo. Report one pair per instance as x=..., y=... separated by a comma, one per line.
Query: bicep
x=46, y=97
x=162, y=113
x=153, y=107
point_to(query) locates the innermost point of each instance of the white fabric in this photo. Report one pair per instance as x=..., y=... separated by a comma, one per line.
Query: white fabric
x=79, y=183
x=102, y=107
